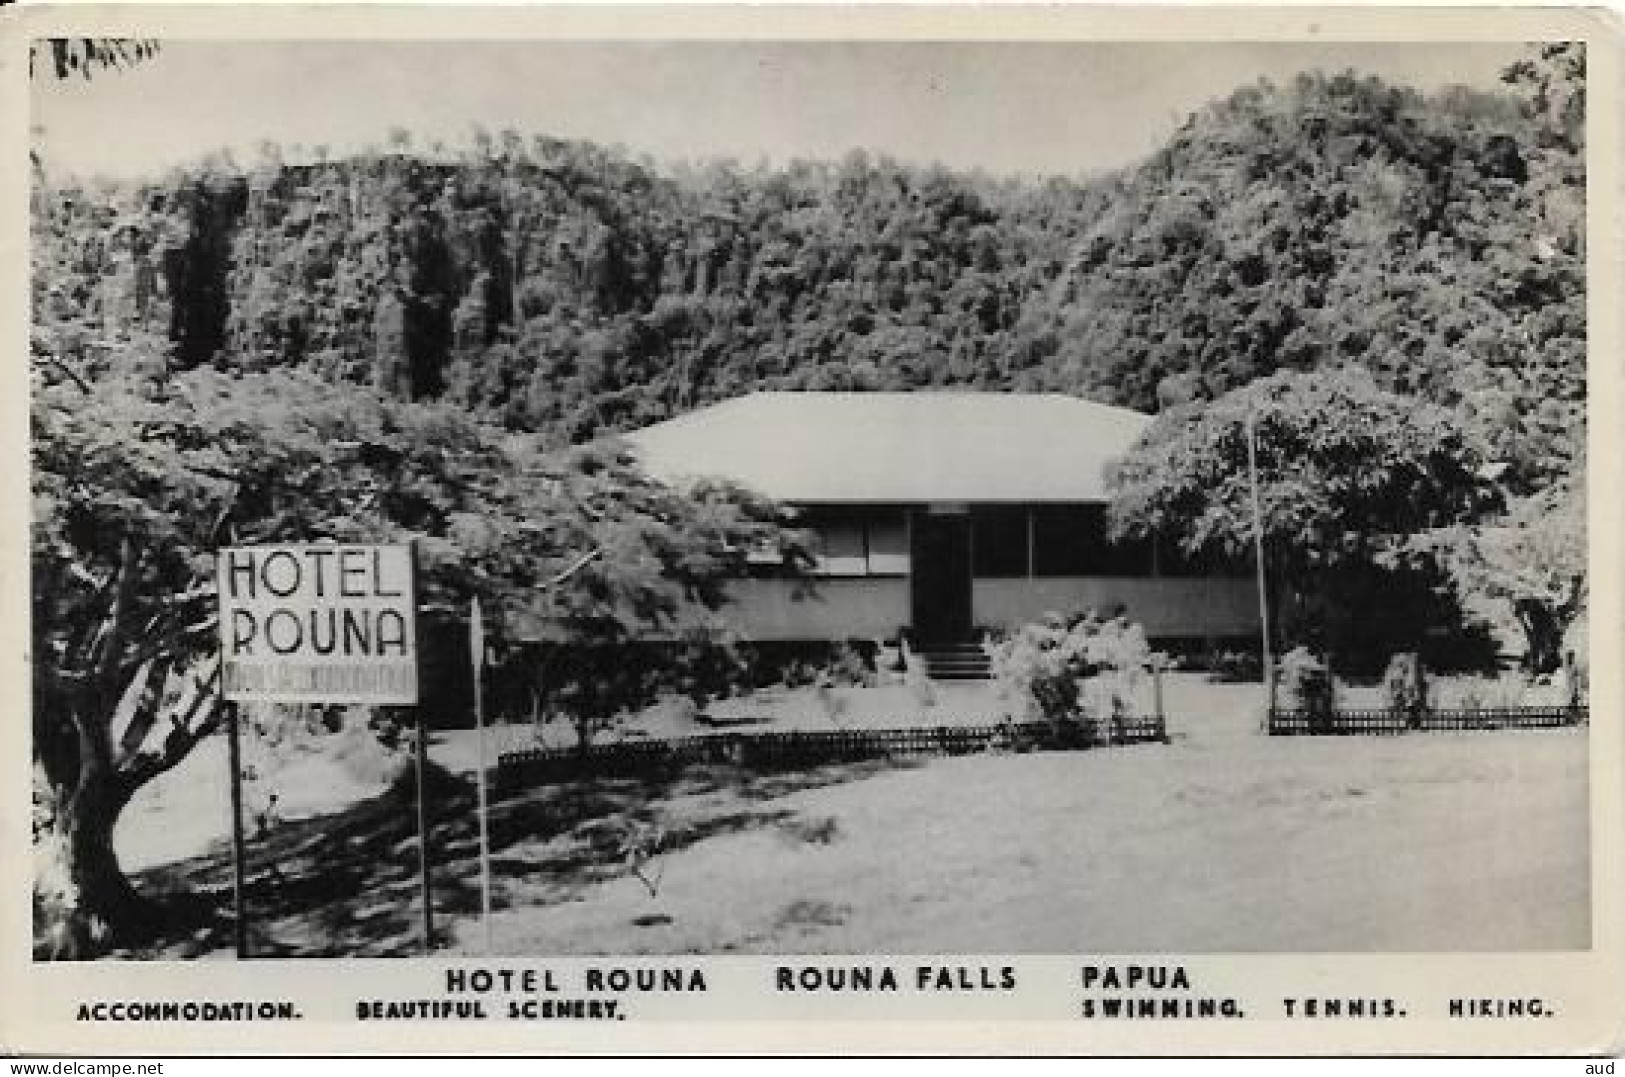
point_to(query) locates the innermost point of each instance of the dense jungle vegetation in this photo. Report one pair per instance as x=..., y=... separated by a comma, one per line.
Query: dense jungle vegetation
x=564, y=289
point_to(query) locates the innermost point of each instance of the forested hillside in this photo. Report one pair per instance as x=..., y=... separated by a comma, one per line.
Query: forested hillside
x=1439, y=242
x=563, y=288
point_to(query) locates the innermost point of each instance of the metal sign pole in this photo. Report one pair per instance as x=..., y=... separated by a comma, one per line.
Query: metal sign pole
x=421, y=762
x=238, y=866
x=476, y=646
x=423, y=833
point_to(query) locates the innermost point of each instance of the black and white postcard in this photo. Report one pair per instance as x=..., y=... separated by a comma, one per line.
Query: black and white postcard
x=989, y=529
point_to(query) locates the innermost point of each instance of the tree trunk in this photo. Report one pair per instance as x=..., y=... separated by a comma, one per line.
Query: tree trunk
x=83, y=902
x=1544, y=632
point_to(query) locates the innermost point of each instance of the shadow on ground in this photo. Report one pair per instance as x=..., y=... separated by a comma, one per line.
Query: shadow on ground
x=346, y=884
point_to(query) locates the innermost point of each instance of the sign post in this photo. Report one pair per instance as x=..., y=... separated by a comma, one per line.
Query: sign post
x=420, y=761
x=328, y=623
x=235, y=754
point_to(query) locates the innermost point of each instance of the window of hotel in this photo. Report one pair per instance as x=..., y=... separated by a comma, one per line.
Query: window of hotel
x=859, y=542
x=1125, y=557
x=1064, y=537
x=888, y=543
x=841, y=548
x=999, y=541
x=1071, y=540
x=1130, y=557
x=1172, y=561
x=1007, y=542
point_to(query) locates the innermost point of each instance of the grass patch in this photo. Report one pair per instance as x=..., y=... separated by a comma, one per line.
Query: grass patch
x=812, y=831
x=804, y=913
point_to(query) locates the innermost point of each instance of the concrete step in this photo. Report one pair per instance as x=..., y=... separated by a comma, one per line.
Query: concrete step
x=959, y=675
x=955, y=662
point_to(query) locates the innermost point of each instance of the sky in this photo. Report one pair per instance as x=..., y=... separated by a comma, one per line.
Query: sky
x=1008, y=108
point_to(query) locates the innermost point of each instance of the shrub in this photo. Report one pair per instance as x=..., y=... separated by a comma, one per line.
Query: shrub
x=798, y=663
x=1474, y=693
x=832, y=702
x=919, y=684
x=1577, y=658
x=1064, y=667
x=847, y=666
x=1404, y=684
x=1236, y=667
x=369, y=744
x=889, y=662
x=798, y=674
x=674, y=711
x=1308, y=682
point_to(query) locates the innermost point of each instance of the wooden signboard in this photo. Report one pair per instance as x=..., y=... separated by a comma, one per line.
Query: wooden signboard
x=318, y=624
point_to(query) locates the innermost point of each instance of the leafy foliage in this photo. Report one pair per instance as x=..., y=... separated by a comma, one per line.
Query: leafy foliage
x=1553, y=78
x=1347, y=473
x=85, y=55
x=1308, y=682
x=1404, y=684
x=1345, y=470
x=1436, y=241
x=1066, y=667
x=179, y=465
x=556, y=287
x=1535, y=550
x=1532, y=559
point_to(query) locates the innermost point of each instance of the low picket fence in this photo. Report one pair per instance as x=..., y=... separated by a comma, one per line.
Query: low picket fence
x=1361, y=723
x=808, y=748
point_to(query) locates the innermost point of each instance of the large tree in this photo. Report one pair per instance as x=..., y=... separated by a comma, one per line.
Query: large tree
x=1532, y=561
x=1346, y=471
x=137, y=480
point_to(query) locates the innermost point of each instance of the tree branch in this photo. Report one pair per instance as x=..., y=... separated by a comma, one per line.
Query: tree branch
x=187, y=729
x=168, y=641
x=106, y=664
x=72, y=374
x=145, y=766
x=80, y=658
x=94, y=690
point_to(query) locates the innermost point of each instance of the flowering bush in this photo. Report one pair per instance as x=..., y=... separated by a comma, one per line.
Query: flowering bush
x=1308, y=682
x=1404, y=684
x=1236, y=667
x=1064, y=668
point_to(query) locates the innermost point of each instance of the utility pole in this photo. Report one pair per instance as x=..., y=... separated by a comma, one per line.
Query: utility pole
x=421, y=763
x=421, y=755
x=1258, y=550
x=476, y=647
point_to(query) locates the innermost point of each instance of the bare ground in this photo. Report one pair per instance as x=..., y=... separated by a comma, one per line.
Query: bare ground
x=1224, y=840
x=1469, y=842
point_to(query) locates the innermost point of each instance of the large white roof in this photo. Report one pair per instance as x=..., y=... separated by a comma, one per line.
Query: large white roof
x=897, y=447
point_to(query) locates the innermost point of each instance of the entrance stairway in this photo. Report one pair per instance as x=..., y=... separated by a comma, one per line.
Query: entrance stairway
x=953, y=661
